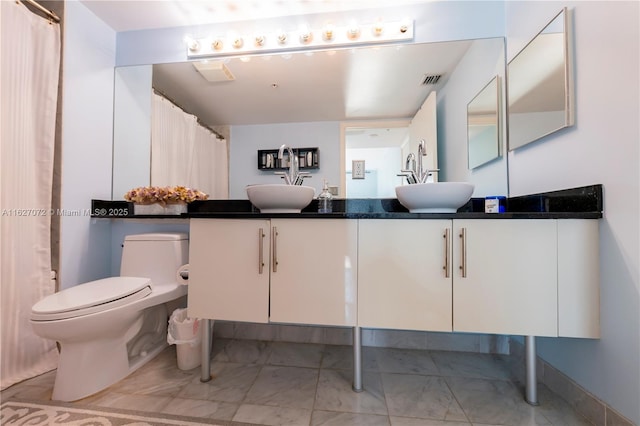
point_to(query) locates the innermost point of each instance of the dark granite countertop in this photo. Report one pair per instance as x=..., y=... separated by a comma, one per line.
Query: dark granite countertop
x=576, y=203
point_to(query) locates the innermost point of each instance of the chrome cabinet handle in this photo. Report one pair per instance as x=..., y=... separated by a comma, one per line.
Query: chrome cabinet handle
x=260, y=250
x=447, y=239
x=274, y=236
x=463, y=262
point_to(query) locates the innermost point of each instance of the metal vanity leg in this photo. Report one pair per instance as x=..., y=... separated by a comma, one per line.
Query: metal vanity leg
x=531, y=379
x=357, y=359
x=205, y=374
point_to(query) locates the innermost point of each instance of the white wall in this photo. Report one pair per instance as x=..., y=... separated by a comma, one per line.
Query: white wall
x=88, y=61
x=483, y=61
x=602, y=147
x=245, y=141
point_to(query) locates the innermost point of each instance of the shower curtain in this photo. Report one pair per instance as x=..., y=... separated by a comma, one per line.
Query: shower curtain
x=185, y=153
x=29, y=68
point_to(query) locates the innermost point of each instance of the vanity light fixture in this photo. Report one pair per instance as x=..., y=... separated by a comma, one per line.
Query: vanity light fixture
x=330, y=36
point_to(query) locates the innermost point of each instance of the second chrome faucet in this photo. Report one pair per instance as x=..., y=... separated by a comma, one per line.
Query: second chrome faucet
x=422, y=174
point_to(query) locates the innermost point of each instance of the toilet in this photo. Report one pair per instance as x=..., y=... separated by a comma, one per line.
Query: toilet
x=109, y=328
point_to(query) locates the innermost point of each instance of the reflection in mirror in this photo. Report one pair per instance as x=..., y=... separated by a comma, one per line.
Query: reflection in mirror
x=302, y=99
x=483, y=125
x=539, y=82
x=381, y=150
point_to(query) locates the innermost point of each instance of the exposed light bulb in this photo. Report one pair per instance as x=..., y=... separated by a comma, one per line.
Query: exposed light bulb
x=305, y=35
x=238, y=42
x=193, y=45
x=217, y=44
x=282, y=37
x=353, y=31
x=377, y=29
x=404, y=26
x=328, y=32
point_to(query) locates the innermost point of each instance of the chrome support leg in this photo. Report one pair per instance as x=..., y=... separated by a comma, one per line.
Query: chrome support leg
x=357, y=359
x=531, y=380
x=205, y=374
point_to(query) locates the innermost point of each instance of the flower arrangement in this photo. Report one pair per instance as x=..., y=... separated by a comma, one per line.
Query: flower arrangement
x=164, y=195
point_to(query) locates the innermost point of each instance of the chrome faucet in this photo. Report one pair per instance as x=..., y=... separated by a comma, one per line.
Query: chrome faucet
x=421, y=175
x=409, y=170
x=293, y=176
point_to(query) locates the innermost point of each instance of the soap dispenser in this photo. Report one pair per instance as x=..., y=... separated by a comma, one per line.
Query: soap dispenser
x=324, y=199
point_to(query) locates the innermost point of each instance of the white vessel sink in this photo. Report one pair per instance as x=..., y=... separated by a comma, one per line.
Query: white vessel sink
x=279, y=198
x=436, y=197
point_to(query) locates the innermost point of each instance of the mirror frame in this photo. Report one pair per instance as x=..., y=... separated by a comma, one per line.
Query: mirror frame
x=514, y=140
x=493, y=119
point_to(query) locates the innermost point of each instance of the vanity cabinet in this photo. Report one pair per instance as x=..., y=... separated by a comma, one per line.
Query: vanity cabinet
x=522, y=277
x=301, y=271
x=227, y=280
x=505, y=277
x=402, y=279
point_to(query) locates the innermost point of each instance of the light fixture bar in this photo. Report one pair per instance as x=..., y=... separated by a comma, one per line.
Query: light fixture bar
x=326, y=38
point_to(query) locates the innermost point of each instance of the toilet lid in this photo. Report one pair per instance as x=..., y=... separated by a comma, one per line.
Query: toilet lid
x=94, y=296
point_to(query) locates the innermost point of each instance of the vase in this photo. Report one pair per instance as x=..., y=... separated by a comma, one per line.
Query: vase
x=159, y=209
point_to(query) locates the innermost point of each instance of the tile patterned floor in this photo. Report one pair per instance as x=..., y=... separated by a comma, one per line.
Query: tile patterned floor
x=299, y=384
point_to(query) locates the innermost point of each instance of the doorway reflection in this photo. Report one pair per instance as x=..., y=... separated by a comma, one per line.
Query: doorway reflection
x=381, y=149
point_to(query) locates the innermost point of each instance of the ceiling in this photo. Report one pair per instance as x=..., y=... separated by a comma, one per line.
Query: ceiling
x=131, y=15
x=342, y=85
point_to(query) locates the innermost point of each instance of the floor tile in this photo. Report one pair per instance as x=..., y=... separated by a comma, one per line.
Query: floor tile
x=310, y=384
x=274, y=416
x=244, y=352
x=284, y=387
x=335, y=393
x=296, y=354
x=494, y=402
x=466, y=364
x=230, y=383
x=410, y=361
x=331, y=418
x=410, y=421
x=148, y=403
x=340, y=357
x=426, y=397
x=201, y=408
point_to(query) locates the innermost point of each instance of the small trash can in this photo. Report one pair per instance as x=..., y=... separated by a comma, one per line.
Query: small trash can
x=185, y=334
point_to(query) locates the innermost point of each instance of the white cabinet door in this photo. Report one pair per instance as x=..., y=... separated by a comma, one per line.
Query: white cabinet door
x=505, y=277
x=314, y=271
x=402, y=280
x=226, y=278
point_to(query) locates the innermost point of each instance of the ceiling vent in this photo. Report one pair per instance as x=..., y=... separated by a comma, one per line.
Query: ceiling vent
x=430, y=79
x=214, y=71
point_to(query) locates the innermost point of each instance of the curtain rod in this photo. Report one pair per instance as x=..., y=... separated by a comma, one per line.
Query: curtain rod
x=218, y=135
x=50, y=13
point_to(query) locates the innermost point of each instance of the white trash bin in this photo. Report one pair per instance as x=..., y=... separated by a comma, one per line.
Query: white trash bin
x=184, y=332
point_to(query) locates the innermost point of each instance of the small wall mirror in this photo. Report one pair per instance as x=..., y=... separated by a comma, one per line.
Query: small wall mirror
x=483, y=125
x=539, y=85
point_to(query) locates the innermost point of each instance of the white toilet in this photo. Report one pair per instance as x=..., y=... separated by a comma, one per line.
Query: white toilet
x=110, y=327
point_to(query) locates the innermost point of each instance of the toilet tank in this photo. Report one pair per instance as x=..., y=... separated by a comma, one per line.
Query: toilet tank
x=157, y=256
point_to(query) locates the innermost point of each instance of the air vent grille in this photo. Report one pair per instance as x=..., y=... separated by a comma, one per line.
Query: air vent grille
x=430, y=79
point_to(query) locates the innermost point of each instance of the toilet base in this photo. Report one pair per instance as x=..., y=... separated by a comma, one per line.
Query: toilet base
x=85, y=368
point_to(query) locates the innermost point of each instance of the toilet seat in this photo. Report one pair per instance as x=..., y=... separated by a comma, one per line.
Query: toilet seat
x=91, y=297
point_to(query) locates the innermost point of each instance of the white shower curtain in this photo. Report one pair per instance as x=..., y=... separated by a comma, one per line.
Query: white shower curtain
x=185, y=153
x=29, y=64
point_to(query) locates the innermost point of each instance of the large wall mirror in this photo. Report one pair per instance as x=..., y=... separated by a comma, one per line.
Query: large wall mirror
x=483, y=125
x=300, y=99
x=540, y=85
